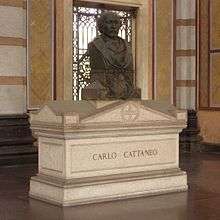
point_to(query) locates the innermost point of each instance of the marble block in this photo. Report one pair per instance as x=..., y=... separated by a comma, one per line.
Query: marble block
x=94, y=151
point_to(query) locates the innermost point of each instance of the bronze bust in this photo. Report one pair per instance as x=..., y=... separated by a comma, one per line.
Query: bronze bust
x=111, y=60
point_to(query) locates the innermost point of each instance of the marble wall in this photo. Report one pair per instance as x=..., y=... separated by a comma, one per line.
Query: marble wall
x=185, y=54
x=153, y=76
x=12, y=57
x=175, y=52
x=172, y=74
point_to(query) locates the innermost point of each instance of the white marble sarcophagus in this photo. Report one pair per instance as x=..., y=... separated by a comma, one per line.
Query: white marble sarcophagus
x=100, y=151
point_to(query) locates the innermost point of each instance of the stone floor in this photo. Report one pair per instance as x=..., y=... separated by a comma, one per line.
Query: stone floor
x=202, y=202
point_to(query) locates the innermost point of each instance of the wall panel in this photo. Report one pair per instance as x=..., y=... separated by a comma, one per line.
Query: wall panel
x=40, y=75
x=12, y=99
x=215, y=79
x=185, y=9
x=209, y=79
x=12, y=61
x=209, y=126
x=13, y=22
x=209, y=74
x=215, y=24
x=163, y=50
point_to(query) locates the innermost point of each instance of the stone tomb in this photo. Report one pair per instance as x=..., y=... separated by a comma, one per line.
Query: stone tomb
x=100, y=151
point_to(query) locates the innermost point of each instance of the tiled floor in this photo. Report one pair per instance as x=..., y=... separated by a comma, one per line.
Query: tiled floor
x=202, y=202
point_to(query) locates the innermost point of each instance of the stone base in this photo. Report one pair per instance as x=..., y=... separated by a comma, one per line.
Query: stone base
x=93, y=152
x=100, y=189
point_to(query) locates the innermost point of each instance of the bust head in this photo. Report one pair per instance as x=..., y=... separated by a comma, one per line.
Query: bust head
x=109, y=24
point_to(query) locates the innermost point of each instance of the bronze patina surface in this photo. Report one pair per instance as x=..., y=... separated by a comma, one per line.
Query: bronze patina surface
x=111, y=62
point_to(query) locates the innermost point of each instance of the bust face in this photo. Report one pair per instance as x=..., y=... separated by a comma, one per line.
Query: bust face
x=111, y=25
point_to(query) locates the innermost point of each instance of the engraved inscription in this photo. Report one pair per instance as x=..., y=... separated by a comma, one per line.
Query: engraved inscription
x=140, y=153
x=105, y=156
x=143, y=154
x=126, y=154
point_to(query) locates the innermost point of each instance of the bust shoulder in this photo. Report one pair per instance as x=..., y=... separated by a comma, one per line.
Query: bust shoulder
x=96, y=41
x=98, y=38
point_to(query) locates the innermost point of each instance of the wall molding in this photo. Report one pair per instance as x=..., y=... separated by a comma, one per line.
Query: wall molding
x=131, y=3
x=185, y=22
x=14, y=3
x=13, y=41
x=185, y=83
x=186, y=53
x=12, y=80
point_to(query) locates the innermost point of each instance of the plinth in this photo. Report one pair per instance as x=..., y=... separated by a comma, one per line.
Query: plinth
x=101, y=151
